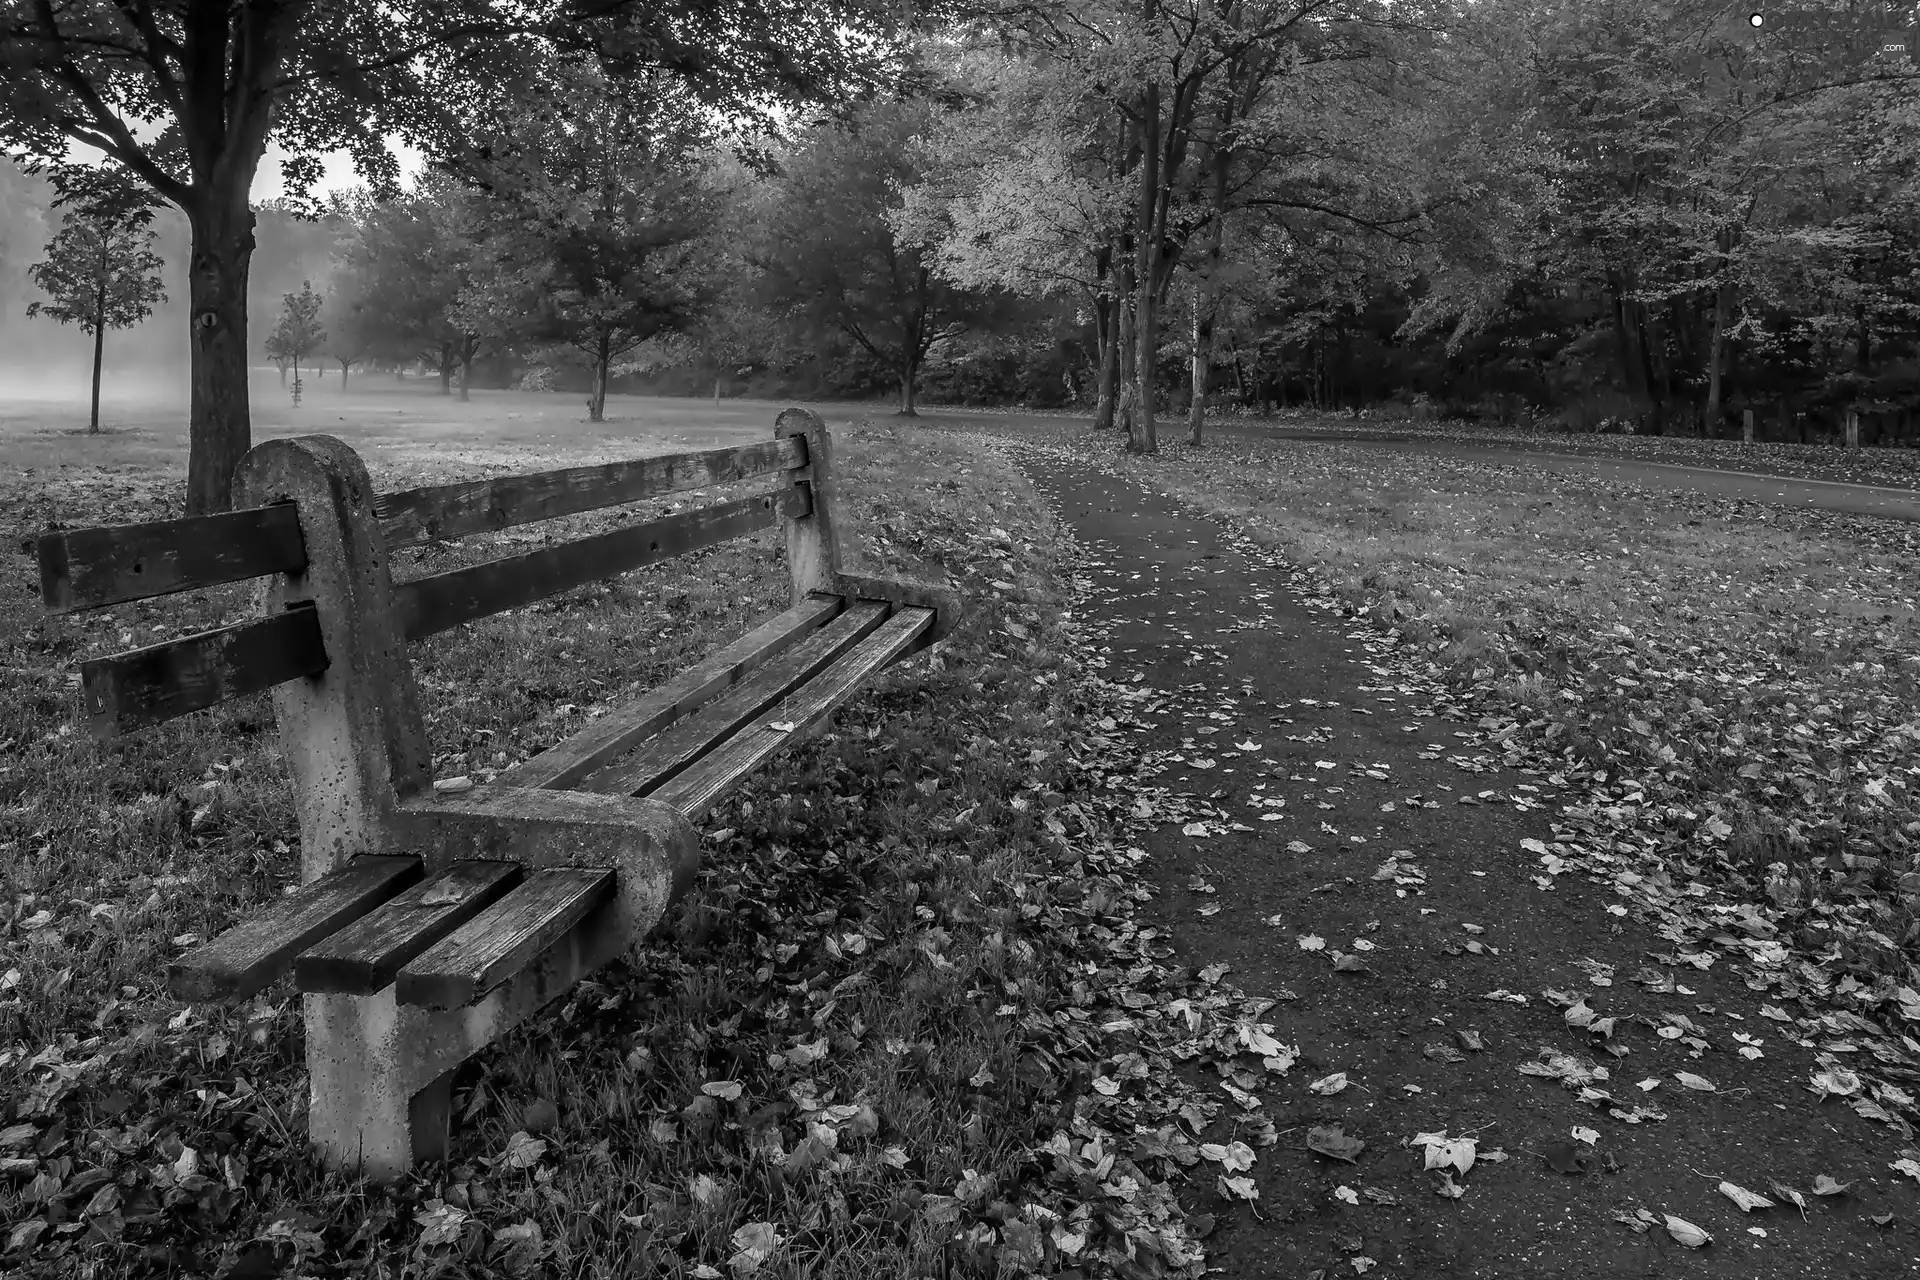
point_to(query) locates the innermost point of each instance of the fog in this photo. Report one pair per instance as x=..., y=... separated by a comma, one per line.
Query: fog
x=41, y=359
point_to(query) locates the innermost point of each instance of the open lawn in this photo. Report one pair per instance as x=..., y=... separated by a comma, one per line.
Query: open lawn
x=867, y=1016
x=401, y=428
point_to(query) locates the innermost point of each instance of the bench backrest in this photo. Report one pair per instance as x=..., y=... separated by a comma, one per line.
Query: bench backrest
x=313, y=525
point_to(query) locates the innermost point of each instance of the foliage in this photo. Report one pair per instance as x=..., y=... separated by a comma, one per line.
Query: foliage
x=594, y=233
x=100, y=271
x=298, y=333
x=831, y=257
x=98, y=275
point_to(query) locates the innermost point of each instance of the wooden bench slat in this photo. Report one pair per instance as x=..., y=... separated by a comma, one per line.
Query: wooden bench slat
x=429, y=605
x=366, y=955
x=698, y=787
x=254, y=952
x=681, y=744
x=509, y=936
x=439, y=512
x=163, y=681
x=566, y=763
x=92, y=568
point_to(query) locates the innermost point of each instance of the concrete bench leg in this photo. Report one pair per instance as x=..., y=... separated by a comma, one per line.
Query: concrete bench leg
x=365, y=1114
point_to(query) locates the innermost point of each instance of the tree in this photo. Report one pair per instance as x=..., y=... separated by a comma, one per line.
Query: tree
x=351, y=325
x=299, y=333
x=593, y=236
x=185, y=95
x=101, y=272
x=832, y=257
x=408, y=260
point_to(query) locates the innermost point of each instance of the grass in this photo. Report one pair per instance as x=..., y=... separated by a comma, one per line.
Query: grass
x=1896, y=467
x=1740, y=679
x=836, y=1057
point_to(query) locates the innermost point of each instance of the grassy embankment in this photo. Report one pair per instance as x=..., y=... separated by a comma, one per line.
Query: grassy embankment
x=835, y=1058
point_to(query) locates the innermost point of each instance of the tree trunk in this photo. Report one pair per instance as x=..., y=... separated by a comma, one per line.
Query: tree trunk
x=446, y=368
x=1716, y=357
x=344, y=366
x=1123, y=339
x=467, y=346
x=1202, y=356
x=597, y=406
x=219, y=426
x=99, y=332
x=716, y=391
x=909, y=375
x=1141, y=439
x=1106, y=328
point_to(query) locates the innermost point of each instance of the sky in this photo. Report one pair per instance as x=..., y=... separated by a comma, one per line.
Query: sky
x=337, y=176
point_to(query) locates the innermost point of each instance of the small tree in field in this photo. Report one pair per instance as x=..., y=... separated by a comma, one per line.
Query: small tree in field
x=101, y=273
x=298, y=333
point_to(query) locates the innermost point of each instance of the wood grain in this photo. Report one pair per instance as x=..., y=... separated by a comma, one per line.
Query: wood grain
x=565, y=763
x=696, y=788
x=160, y=682
x=254, y=952
x=509, y=936
x=366, y=955
x=681, y=744
x=432, y=514
x=92, y=568
x=429, y=605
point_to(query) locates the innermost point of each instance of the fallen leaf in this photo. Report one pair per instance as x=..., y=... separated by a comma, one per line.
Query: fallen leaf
x=1834, y=1081
x=1686, y=1233
x=753, y=1244
x=1236, y=1156
x=1565, y=1157
x=1327, y=1086
x=1586, y=1135
x=1787, y=1193
x=1330, y=1140
x=1747, y=1200
x=1347, y=1194
x=1692, y=1081
x=1237, y=1188
x=1312, y=942
x=1825, y=1186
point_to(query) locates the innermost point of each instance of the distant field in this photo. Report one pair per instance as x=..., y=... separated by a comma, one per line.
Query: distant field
x=401, y=428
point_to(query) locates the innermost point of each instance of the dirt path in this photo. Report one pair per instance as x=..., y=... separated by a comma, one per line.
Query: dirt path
x=1399, y=844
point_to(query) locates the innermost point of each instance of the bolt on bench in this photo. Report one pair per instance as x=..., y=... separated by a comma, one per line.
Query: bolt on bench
x=428, y=925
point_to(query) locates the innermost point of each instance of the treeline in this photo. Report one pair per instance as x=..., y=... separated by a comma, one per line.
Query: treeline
x=1643, y=216
x=1635, y=215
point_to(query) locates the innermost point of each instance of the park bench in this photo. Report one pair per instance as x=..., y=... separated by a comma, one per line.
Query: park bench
x=429, y=921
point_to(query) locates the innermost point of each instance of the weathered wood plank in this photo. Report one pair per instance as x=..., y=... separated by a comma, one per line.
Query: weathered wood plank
x=480, y=506
x=681, y=744
x=429, y=605
x=489, y=949
x=566, y=763
x=366, y=955
x=129, y=690
x=92, y=568
x=254, y=952
x=696, y=788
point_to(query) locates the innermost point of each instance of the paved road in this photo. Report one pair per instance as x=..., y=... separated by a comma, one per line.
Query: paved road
x=1821, y=495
